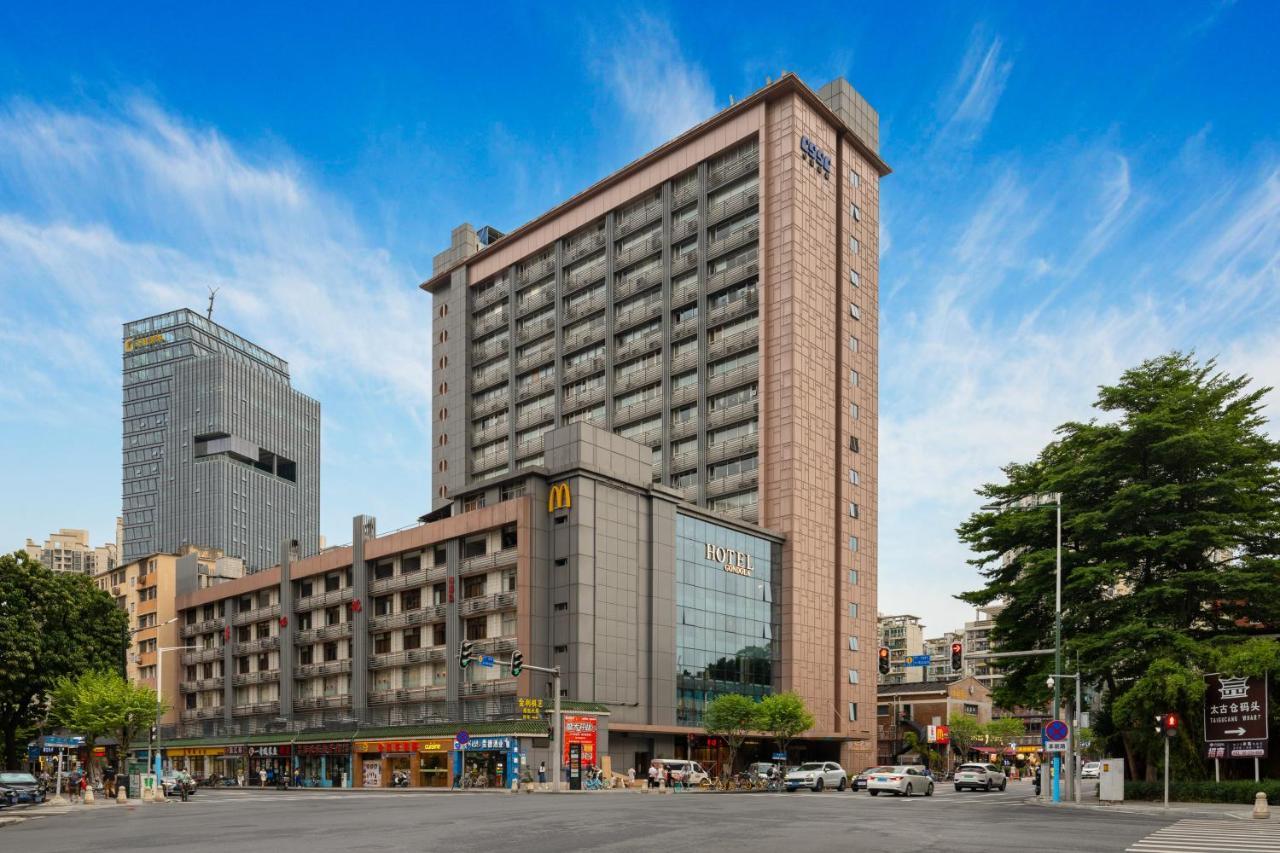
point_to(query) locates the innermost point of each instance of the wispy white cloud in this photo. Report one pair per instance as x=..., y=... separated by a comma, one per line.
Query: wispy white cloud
x=970, y=101
x=660, y=91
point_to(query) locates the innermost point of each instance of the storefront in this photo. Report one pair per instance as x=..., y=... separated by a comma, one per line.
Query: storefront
x=495, y=760
x=323, y=765
x=387, y=763
x=200, y=761
x=253, y=760
x=433, y=763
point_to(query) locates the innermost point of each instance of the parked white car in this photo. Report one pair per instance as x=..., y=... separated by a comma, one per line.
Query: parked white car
x=683, y=771
x=1091, y=770
x=982, y=777
x=900, y=780
x=818, y=775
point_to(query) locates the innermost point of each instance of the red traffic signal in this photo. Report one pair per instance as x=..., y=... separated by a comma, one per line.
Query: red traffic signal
x=884, y=660
x=957, y=656
x=1170, y=725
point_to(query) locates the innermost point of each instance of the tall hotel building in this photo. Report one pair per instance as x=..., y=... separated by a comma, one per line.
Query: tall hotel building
x=219, y=450
x=715, y=303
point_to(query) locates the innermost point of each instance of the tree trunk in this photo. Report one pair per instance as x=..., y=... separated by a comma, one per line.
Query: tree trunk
x=1129, y=757
x=11, y=747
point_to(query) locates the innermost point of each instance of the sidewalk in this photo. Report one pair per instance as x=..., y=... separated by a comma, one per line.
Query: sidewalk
x=1176, y=811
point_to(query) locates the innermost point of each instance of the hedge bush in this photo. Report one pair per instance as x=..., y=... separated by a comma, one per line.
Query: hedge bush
x=1234, y=791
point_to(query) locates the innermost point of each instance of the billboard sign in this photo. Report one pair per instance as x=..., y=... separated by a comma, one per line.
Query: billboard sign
x=1235, y=708
x=582, y=731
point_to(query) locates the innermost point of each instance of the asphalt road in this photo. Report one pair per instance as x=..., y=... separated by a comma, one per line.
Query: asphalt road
x=317, y=821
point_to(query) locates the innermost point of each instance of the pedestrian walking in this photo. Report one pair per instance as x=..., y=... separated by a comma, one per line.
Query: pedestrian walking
x=542, y=772
x=653, y=775
x=631, y=777
x=262, y=778
x=82, y=784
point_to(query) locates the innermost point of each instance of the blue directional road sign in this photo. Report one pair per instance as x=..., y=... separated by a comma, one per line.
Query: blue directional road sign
x=1056, y=731
x=58, y=740
x=919, y=660
x=487, y=660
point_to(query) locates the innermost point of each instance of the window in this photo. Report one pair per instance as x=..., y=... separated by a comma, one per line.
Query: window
x=854, y=245
x=855, y=212
x=853, y=712
x=853, y=543
x=853, y=443
x=473, y=587
x=438, y=594
x=853, y=510
x=855, y=311
x=305, y=655
x=440, y=557
x=853, y=576
x=412, y=639
x=410, y=564
x=853, y=477
x=242, y=666
x=330, y=651
x=853, y=344
x=562, y=606
x=382, y=605
x=304, y=589
x=474, y=548
x=853, y=644
x=507, y=538
x=331, y=583
x=853, y=611
x=971, y=710
x=509, y=580
x=243, y=634
x=853, y=411
x=854, y=278
x=477, y=629
x=437, y=635
x=854, y=178
x=411, y=599
x=383, y=570
x=853, y=676
x=331, y=616
x=853, y=378
x=684, y=380
x=381, y=644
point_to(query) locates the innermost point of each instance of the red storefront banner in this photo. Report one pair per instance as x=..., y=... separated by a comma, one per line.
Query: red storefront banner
x=580, y=730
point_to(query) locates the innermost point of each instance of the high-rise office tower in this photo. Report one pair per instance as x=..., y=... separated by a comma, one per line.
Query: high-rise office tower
x=219, y=450
x=717, y=302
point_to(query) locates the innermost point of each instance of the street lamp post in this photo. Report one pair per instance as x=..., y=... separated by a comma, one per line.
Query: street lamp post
x=159, y=783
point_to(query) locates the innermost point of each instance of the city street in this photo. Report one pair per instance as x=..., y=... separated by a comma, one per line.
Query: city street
x=310, y=822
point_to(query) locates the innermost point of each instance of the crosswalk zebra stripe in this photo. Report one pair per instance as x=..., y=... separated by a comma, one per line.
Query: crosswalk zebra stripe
x=1209, y=836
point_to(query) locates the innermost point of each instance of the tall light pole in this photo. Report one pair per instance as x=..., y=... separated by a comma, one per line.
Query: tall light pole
x=159, y=701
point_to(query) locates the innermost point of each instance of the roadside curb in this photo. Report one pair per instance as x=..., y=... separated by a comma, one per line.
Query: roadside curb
x=8, y=821
x=1175, y=810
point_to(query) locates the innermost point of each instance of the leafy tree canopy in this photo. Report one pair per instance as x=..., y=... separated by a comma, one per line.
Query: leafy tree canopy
x=102, y=702
x=1171, y=531
x=731, y=716
x=785, y=716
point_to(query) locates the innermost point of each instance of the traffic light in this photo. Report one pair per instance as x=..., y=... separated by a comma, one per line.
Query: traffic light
x=464, y=653
x=1170, y=725
x=884, y=660
x=154, y=731
x=957, y=656
x=517, y=663
x=1160, y=720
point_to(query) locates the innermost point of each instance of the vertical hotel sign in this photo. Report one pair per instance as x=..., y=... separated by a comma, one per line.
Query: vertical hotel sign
x=559, y=497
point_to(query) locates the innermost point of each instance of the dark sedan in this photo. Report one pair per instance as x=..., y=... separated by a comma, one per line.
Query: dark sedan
x=21, y=788
x=860, y=781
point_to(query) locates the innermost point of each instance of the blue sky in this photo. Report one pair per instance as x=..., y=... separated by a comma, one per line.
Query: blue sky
x=1076, y=187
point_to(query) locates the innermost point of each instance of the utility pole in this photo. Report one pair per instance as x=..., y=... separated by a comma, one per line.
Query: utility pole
x=1166, y=772
x=557, y=737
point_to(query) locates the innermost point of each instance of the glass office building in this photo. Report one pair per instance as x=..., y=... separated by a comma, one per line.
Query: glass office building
x=726, y=615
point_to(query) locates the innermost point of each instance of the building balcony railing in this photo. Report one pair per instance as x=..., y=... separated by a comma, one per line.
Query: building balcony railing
x=650, y=436
x=732, y=204
x=406, y=694
x=492, y=432
x=583, y=368
x=256, y=708
x=584, y=307
x=495, y=374
x=211, y=712
x=580, y=397
x=489, y=688
x=322, y=599
x=495, y=645
x=636, y=218
x=724, y=415
x=534, y=387
x=490, y=405
x=684, y=460
x=684, y=194
x=202, y=656
x=736, y=240
x=735, y=168
x=583, y=246
x=528, y=447
x=684, y=429
x=683, y=262
x=538, y=328
x=689, y=357
x=266, y=675
x=250, y=647
x=633, y=282
x=637, y=314
x=749, y=513
x=739, y=375
x=684, y=394
x=734, y=447
x=535, y=415
x=530, y=303
x=585, y=274
x=315, y=703
x=489, y=461
x=206, y=626
x=489, y=323
x=682, y=229
x=742, y=339
x=637, y=378
x=490, y=562
x=733, y=483
x=583, y=335
x=484, y=603
x=535, y=270
x=536, y=355
x=214, y=683
x=490, y=349
x=328, y=667
x=410, y=656
x=648, y=343
x=638, y=252
x=734, y=274
x=405, y=618
x=397, y=582
x=257, y=614
x=684, y=293
x=744, y=304
x=322, y=634
x=492, y=296
x=636, y=411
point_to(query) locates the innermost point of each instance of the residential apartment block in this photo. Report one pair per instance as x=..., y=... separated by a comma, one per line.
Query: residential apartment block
x=69, y=550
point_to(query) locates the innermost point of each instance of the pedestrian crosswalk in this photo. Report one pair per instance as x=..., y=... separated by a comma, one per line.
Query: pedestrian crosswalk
x=1212, y=836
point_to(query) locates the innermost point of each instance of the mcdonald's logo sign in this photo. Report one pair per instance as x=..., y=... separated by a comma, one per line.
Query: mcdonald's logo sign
x=559, y=497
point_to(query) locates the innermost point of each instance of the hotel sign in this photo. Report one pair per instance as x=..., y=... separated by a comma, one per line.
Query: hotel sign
x=737, y=562
x=142, y=341
x=559, y=497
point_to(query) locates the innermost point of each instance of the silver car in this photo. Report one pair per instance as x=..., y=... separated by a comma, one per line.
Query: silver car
x=818, y=775
x=980, y=777
x=1091, y=770
x=899, y=780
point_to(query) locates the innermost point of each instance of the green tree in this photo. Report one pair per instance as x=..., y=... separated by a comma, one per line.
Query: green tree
x=965, y=730
x=731, y=716
x=1004, y=730
x=784, y=716
x=102, y=702
x=1171, y=530
x=52, y=624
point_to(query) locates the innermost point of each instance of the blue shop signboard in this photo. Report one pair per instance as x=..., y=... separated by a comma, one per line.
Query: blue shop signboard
x=487, y=744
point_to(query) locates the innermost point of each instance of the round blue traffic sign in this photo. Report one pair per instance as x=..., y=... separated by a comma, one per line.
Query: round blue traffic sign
x=1056, y=730
x=462, y=738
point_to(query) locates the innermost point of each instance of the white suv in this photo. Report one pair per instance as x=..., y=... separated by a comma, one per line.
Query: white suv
x=818, y=775
x=980, y=776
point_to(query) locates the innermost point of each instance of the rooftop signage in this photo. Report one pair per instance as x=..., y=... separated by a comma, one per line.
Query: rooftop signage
x=141, y=341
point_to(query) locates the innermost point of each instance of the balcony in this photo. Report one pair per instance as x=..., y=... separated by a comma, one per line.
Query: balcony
x=536, y=355
x=407, y=694
x=636, y=411
x=585, y=274
x=739, y=375
x=541, y=327
x=529, y=447
x=492, y=432
x=684, y=429
x=255, y=677
x=734, y=447
x=684, y=261
x=329, y=667
x=650, y=436
x=490, y=461
x=490, y=562
x=638, y=252
x=586, y=367
x=535, y=415
x=485, y=603
x=398, y=582
x=726, y=172
x=748, y=513
x=254, y=646
x=636, y=378
x=736, y=342
x=257, y=614
x=631, y=283
x=636, y=314
x=725, y=415
x=490, y=349
x=576, y=399
x=491, y=405
x=534, y=387
x=214, y=683
x=649, y=342
x=316, y=703
x=732, y=204
x=680, y=230
x=744, y=304
x=490, y=323
x=732, y=275
x=322, y=599
x=736, y=240
x=528, y=304
x=256, y=708
x=636, y=218
x=583, y=246
x=583, y=335
x=584, y=307
x=208, y=626
x=535, y=270
x=202, y=656
x=489, y=688
x=685, y=293
x=689, y=357
x=684, y=194
x=410, y=656
x=494, y=374
x=323, y=633
x=684, y=460
x=211, y=712
x=405, y=618
x=732, y=483
x=684, y=394
x=492, y=296
x=495, y=645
